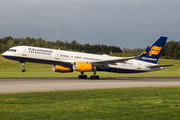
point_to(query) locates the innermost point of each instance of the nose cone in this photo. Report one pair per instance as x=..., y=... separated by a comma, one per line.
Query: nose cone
x=4, y=54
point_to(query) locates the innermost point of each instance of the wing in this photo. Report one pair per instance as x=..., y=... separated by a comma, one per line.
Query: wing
x=155, y=66
x=113, y=61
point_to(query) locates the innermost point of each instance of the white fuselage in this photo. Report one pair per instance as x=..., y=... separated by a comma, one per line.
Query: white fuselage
x=67, y=58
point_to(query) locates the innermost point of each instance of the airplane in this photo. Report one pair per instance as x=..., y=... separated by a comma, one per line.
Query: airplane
x=68, y=61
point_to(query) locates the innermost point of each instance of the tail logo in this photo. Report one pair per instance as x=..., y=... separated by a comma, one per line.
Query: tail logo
x=144, y=52
x=155, y=50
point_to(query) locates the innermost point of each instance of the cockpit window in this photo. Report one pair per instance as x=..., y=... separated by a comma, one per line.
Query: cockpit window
x=12, y=50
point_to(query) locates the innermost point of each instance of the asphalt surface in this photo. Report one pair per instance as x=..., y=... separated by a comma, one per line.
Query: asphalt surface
x=52, y=84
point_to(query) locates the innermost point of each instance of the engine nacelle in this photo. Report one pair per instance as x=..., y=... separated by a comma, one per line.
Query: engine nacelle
x=82, y=67
x=61, y=69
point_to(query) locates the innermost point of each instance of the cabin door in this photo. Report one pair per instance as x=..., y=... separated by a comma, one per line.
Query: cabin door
x=24, y=51
x=139, y=65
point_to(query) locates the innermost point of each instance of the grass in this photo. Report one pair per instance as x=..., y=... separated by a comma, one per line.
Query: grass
x=12, y=69
x=125, y=103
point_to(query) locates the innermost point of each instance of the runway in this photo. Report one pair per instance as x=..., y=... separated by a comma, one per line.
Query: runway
x=52, y=84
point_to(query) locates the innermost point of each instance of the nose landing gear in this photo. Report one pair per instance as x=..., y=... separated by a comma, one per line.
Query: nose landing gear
x=23, y=66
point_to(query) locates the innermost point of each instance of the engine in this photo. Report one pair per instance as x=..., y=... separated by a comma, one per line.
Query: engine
x=82, y=67
x=61, y=69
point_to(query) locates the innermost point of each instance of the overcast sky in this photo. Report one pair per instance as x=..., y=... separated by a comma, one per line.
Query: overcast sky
x=123, y=23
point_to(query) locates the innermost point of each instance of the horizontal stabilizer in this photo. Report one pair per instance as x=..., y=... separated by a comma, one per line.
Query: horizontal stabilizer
x=155, y=66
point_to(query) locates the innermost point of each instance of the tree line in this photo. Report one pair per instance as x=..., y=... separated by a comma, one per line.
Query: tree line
x=170, y=51
x=7, y=42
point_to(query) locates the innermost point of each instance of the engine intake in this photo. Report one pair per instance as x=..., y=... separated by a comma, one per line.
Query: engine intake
x=61, y=69
x=82, y=67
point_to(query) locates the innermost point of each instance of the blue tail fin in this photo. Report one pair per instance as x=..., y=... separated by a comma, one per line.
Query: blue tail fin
x=153, y=52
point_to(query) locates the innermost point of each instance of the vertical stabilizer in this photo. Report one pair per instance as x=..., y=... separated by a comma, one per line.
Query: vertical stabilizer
x=153, y=52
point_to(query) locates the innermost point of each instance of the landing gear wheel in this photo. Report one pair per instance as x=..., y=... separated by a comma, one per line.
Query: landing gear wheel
x=85, y=76
x=94, y=77
x=82, y=76
x=23, y=66
x=23, y=70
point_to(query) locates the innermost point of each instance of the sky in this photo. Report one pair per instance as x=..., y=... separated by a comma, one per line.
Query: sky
x=121, y=23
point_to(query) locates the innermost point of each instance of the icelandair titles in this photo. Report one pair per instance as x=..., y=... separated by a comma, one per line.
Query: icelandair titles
x=39, y=50
x=145, y=58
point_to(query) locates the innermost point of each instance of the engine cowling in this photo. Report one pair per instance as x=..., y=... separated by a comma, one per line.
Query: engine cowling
x=82, y=67
x=61, y=69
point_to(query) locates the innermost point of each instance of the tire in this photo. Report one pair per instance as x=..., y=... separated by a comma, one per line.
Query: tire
x=85, y=76
x=92, y=77
x=23, y=70
x=80, y=76
x=96, y=77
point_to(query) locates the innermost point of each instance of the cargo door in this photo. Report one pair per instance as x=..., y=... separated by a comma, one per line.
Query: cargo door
x=57, y=55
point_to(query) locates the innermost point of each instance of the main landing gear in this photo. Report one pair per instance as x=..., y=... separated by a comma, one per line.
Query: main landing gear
x=23, y=66
x=94, y=76
x=82, y=76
